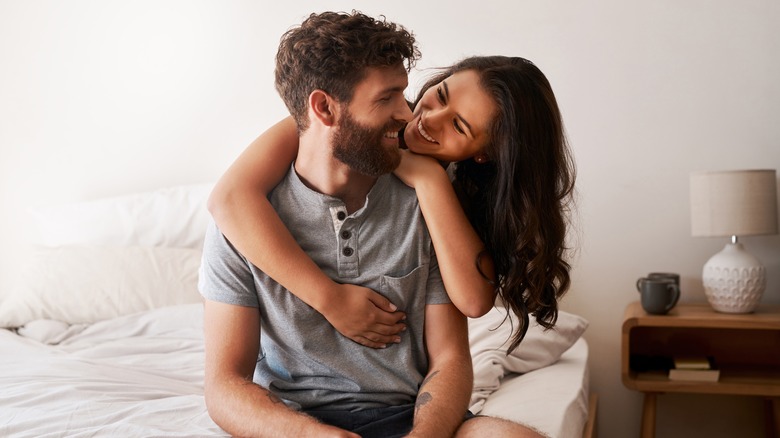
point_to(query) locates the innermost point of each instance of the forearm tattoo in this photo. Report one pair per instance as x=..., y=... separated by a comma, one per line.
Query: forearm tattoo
x=274, y=399
x=422, y=400
x=424, y=397
x=428, y=378
x=271, y=396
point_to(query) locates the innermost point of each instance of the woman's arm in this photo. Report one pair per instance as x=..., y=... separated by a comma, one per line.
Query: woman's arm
x=456, y=243
x=241, y=210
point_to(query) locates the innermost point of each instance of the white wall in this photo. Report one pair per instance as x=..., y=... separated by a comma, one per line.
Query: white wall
x=109, y=97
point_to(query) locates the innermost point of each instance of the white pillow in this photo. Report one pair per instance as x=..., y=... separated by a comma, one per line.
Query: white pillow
x=85, y=284
x=173, y=217
x=489, y=340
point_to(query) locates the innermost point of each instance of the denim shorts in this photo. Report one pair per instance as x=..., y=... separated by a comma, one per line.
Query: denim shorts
x=389, y=422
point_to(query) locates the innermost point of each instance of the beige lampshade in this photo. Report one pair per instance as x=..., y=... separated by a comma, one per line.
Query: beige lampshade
x=733, y=203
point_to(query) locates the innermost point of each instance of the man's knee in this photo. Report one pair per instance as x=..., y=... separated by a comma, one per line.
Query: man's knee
x=495, y=428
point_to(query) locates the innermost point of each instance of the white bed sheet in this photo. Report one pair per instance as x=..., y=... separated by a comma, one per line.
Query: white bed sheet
x=132, y=376
x=552, y=400
x=142, y=375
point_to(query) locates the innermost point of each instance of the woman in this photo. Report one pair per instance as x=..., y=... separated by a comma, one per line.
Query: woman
x=498, y=228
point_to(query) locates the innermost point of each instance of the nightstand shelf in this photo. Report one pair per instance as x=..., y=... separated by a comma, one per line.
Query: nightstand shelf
x=745, y=348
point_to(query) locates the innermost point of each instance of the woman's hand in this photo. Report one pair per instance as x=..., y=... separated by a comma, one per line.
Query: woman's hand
x=363, y=315
x=414, y=168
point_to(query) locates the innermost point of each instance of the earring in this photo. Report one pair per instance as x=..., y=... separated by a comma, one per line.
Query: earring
x=481, y=159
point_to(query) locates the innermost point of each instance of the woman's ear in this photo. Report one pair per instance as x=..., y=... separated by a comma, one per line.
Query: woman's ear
x=481, y=158
x=323, y=107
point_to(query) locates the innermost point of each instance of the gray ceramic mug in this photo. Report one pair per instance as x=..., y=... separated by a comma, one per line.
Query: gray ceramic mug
x=658, y=295
x=670, y=275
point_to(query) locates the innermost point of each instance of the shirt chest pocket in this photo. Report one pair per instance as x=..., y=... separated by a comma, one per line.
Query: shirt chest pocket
x=406, y=292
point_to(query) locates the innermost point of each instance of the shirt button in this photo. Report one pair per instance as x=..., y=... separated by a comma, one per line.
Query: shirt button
x=348, y=251
x=346, y=234
x=341, y=215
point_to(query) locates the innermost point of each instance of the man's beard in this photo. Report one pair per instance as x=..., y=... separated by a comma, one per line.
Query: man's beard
x=360, y=147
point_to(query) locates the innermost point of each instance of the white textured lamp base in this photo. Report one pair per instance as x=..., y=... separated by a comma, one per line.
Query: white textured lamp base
x=734, y=280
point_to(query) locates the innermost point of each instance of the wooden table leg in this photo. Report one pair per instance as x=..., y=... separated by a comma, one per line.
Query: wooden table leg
x=772, y=416
x=648, y=415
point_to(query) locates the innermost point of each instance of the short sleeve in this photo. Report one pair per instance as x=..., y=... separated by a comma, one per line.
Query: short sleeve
x=225, y=275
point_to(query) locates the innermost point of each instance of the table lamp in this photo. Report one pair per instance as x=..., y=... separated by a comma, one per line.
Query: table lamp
x=733, y=203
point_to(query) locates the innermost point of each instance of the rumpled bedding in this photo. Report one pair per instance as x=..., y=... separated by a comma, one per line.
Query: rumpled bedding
x=136, y=375
x=141, y=375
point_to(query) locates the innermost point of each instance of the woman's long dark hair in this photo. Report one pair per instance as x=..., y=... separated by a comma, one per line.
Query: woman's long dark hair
x=519, y=201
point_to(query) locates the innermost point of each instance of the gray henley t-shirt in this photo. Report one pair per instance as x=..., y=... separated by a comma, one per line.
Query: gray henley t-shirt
x=384, y=246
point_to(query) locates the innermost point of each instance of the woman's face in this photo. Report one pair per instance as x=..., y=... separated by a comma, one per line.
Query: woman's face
x=452, y=119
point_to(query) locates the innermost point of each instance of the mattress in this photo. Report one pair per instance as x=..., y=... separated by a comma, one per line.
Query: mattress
x=142, y=375
x=135, y=375
x=552, y=400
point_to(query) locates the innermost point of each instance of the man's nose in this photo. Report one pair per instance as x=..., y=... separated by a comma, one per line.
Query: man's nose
x=403, y=112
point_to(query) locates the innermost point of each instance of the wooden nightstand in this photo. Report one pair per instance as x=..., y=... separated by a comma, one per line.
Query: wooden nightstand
x=746, y=349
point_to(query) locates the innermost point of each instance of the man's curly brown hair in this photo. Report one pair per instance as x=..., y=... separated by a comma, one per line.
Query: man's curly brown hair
x=330, y=51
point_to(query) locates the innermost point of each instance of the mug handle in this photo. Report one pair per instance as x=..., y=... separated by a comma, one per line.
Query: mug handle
x=639, y=284
x=676, y=292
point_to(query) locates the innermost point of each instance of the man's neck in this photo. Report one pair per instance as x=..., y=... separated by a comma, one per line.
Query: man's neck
x=321, y=172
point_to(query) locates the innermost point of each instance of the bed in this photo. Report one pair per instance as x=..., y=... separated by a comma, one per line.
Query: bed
x=101, y=334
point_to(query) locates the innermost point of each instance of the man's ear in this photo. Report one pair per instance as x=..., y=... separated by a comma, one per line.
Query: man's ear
x=323, y=107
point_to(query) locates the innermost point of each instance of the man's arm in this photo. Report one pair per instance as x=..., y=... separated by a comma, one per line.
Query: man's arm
x=234, y=402
x=443, y=397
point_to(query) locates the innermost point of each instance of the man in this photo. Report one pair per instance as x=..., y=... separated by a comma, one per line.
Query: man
x=274, y=366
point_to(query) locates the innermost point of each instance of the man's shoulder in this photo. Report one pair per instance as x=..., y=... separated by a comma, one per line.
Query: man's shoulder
x=285, y=183
x=215, y=244
x=397, y=188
